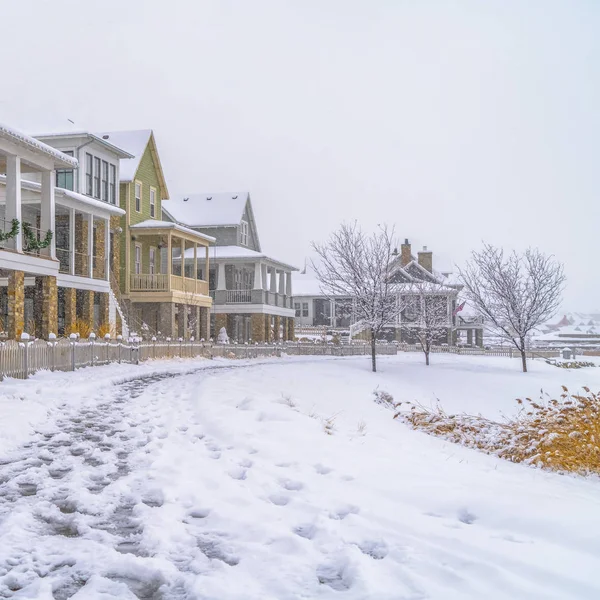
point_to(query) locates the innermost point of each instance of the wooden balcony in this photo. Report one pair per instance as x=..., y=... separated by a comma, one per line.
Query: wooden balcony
x=161, y=282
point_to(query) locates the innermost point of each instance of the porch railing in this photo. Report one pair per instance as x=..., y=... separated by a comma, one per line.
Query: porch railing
x=156, y=282
x=239, y=296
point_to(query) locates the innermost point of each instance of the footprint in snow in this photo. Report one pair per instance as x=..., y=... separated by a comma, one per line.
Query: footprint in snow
x=341, y=513
x=290, y=485
x=246, y=463
x=306, y=530
x=199, y=513
x=322, y=469
x=215, y=455
x=466, y=517
x=336, y=573
x=279, y=499
x=376, y=549
x=238, y=473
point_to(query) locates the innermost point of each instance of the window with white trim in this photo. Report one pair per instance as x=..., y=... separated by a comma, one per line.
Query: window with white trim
x=152, y=261
x=97, y=166
x=152, y=202
x=113, y=184
x=104, y=181
x=138, y=259
x=89, y=174
x=244, y=233
x=305, y=309
x=138, y=197
x=298, y=309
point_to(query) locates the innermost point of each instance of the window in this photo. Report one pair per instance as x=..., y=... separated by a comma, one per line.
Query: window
x=244, y=233
x=104, y=181
x=113, y=184
x=97, y=163
x=138, y=197
x=138, y=259
x=89, y=174
x=297, y=308
x=64, y=177
x=305, y=309
x=152, y=202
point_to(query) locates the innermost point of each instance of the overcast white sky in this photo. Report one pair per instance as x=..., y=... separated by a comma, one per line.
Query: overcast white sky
x=457, y=121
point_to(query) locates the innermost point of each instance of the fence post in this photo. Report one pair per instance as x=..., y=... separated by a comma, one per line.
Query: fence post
x=119, y=340
x=107, y=341
x=154, y=347
x=73, y=338
x=52, y=344
x=136, y=352
x=180, y=342
x=91, y=340
x=25, y=345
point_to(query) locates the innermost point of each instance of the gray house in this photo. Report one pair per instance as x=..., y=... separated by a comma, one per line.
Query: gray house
x=252, y=292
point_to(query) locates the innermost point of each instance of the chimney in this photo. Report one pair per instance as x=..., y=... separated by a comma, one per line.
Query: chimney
x=426, y=259
x=405, y=253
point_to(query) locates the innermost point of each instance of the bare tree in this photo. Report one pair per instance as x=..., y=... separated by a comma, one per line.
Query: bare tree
x=516, y=293
x=353, y=264
x=426, y=315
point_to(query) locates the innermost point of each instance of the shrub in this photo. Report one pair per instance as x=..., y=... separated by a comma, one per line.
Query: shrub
x=82, y=327
x=384, y=398
x=103, y=329
x=571, y=364
x=558, y=434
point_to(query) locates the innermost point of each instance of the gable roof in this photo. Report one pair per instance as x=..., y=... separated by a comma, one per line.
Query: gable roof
x=135, y=142
x=30, y=143
x=224, y=209
x=120, y=152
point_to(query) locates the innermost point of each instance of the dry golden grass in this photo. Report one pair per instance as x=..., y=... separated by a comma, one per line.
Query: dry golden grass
x=103, y=329
x=83, y=328
x=559, y=434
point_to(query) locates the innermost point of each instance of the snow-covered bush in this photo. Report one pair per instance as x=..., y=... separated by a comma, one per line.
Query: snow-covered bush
x=558, y=434
x=571, y=364
x=384, y=398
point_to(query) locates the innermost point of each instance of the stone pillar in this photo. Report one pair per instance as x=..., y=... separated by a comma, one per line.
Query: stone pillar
x=46, y=306
x=16, y=304
x=268, y=330
x=220, y=321
x=87, y=313
x=70, y=310
x=291, y=329
x=479, y=337
x=277, y=329
x=115, y=250
x=166, y=319
x=100, y=256
x=196, y=315
x=81, y=243
x=204, y=317
x=183, y=321
x=284, y=329
x=257, y=327
x=104, y=318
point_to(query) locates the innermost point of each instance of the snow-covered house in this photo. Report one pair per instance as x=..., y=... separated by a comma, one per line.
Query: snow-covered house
x=252, y=291
x=571, y=329
x=314, y=309
x=54, y=241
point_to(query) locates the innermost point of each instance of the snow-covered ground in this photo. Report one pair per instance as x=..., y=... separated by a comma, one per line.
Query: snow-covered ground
x=282, y=479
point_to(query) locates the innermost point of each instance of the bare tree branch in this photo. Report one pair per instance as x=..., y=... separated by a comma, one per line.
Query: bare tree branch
x=515, y=294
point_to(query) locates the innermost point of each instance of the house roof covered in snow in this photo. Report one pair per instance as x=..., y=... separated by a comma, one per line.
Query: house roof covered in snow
x=155, y=224
x=30, y=143
x=120, y=152
x=134, y=142
x=223, y=209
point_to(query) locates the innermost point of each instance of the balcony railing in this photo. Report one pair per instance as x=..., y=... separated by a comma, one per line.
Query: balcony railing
x=159, y=282
x=239, y=296
x=64, y=258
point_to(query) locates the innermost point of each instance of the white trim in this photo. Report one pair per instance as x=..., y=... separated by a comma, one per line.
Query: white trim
x=152, y=204
x=266, y=309
x=82, y=283
x=15, y=261
x=135, y=184
x=135, y=262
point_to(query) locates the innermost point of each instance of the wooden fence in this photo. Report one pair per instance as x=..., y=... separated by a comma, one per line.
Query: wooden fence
x=21, y=359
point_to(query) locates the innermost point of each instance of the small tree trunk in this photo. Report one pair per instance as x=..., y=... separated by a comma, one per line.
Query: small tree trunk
x=427, y=357
x=524, y=360
x=373, y=352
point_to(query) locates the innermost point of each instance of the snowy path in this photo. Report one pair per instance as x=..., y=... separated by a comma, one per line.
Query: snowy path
x=276, y=481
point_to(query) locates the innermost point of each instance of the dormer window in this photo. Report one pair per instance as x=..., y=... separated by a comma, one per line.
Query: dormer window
x=244, y=233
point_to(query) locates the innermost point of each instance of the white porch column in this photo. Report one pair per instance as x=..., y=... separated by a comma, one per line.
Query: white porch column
x=48, y=212
x=281, y=283
x=13, y=200
x=107, y=248
x=264, y=277
x=90, y=241
x=72, y=241
x=182, y=258
x=221, y=277
x=169, y=260
x=257, y=276
x=195, y=266
x=288, y=284
x=273, y=280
